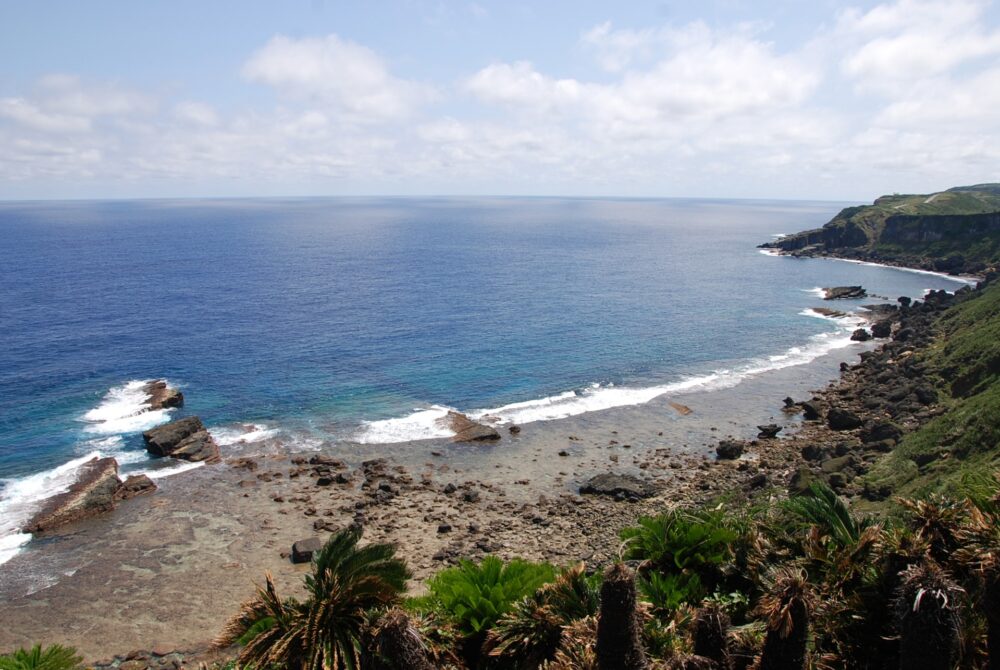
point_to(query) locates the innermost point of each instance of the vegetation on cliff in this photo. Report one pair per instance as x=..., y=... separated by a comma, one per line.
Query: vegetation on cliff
x=963, y=441
x=957, y=230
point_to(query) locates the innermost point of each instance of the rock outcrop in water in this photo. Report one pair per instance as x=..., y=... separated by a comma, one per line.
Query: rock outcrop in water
x=186, y=438
x=467, y=430
x=92, y=493
x=162, y=396
x=844, y=292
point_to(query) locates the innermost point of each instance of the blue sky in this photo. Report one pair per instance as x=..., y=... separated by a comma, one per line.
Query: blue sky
x=825, y=100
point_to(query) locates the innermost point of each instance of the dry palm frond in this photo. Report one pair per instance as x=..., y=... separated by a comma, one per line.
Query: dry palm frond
x=576, y=649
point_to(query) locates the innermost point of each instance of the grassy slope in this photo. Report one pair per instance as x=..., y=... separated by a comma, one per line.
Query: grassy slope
x=966, y=438
x=959, y=201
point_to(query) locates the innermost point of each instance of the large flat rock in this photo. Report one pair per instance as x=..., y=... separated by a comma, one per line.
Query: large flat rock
x=185, y=438
x=621, y=487
x=467, y=430
x=91, y=494
x=162, y=396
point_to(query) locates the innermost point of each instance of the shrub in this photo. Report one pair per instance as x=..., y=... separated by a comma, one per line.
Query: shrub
x=53, y=657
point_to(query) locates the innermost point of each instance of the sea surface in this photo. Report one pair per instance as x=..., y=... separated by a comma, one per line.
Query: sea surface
x=317, y=321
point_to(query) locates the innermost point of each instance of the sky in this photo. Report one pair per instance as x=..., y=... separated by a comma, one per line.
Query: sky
x=828, y=99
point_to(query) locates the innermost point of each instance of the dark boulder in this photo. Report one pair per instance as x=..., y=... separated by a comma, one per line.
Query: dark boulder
x=467, y=430
x=800, y=481
x=844, y=292
x=135, y=485
x=620, y=487
x=303, y=550
x=91, y=494
x=882, y=329
x=186, y=439
x=730, y=449
x=768, y=431
x=877, y=431
x=811, y=410
x=904, y=300
x=162, y=396
x=860, y=335
x=842, y=419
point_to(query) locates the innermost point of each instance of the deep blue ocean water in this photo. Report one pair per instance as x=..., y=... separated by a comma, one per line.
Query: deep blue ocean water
x=315, y=316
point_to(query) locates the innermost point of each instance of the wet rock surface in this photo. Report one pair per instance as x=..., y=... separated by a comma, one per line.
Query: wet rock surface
x=186, y=439
x=467, y=430
x=91, y=494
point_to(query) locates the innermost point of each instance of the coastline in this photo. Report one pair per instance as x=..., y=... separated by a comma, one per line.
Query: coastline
x=230, y=523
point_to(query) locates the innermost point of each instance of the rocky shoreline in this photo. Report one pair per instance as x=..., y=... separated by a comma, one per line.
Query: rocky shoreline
x=438, y=513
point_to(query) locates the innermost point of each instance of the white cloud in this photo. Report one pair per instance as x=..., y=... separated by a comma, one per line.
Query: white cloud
x=911, y=40
x=197, y=113
x=346, y=76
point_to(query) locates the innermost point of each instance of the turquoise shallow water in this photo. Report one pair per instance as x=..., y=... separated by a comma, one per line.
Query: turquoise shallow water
x=320, y=320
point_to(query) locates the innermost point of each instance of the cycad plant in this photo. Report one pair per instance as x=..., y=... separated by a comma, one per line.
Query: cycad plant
x=323, y=631
x=786, y=609
x=619, y=632
x=474, y=596
x=980, y=554
x=53, y=657
x=692, y=546
x=531, y=632
x=927, y=619
x=396, y=644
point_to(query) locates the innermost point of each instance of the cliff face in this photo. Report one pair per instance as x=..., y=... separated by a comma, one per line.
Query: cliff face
x=955, y=231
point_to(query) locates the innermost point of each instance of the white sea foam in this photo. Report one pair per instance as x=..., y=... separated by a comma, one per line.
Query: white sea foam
x=817, y=291
x=22, y=497
x=242, y=434
x=160, y=473
x=124, y=409
x=426, y=423
x=423, y=424
x=769, y=252
x=962, y=279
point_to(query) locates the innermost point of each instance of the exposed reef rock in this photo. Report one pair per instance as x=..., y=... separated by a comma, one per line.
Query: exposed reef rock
x=620, y=487
x=91, y=494
x=162, y=396
x=135, y=485
x=844, y=292
x=185, y=438
x=467, y=430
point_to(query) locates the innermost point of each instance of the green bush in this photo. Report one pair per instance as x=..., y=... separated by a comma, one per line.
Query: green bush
x=53, y=657
x=475, y=596
x=681, y=540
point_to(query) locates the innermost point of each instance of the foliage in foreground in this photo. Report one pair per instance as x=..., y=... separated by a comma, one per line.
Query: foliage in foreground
x=53, y=657
x=325, y=630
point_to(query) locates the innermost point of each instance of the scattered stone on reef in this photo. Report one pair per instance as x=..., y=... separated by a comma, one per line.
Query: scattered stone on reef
x=162, y=396
x=324, y=481
x=620, y=487
x=91, y=494
x=815, y=452
x=444, y=528
x=811, y=410
x=327, y=461
x=514, y=430
x=882, y=329
x=757, y=481
x=844, y=292
x=303, y=550
x=467, y=430
x=768, y=431
x=829, y=313
x=927, y=395
x=904, y=300
x=837, y=481
x=135, y=485
x=790, y=404
x=728, y=450
x=471, y=496
x=842, y=419
x=860, y=335
x=185, y=438
x=563, y=452
x=683, y=410
x=800, y=481
x=838, y=464
x=877, y=431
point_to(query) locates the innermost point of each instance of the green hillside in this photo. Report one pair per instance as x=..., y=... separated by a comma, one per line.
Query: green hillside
x=957, y=230
x=964, y=441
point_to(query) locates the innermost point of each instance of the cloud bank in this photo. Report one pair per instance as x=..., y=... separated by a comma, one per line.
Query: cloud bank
x=900, y=95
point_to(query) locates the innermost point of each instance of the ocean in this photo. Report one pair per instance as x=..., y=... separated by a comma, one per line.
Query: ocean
x=311, y=322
